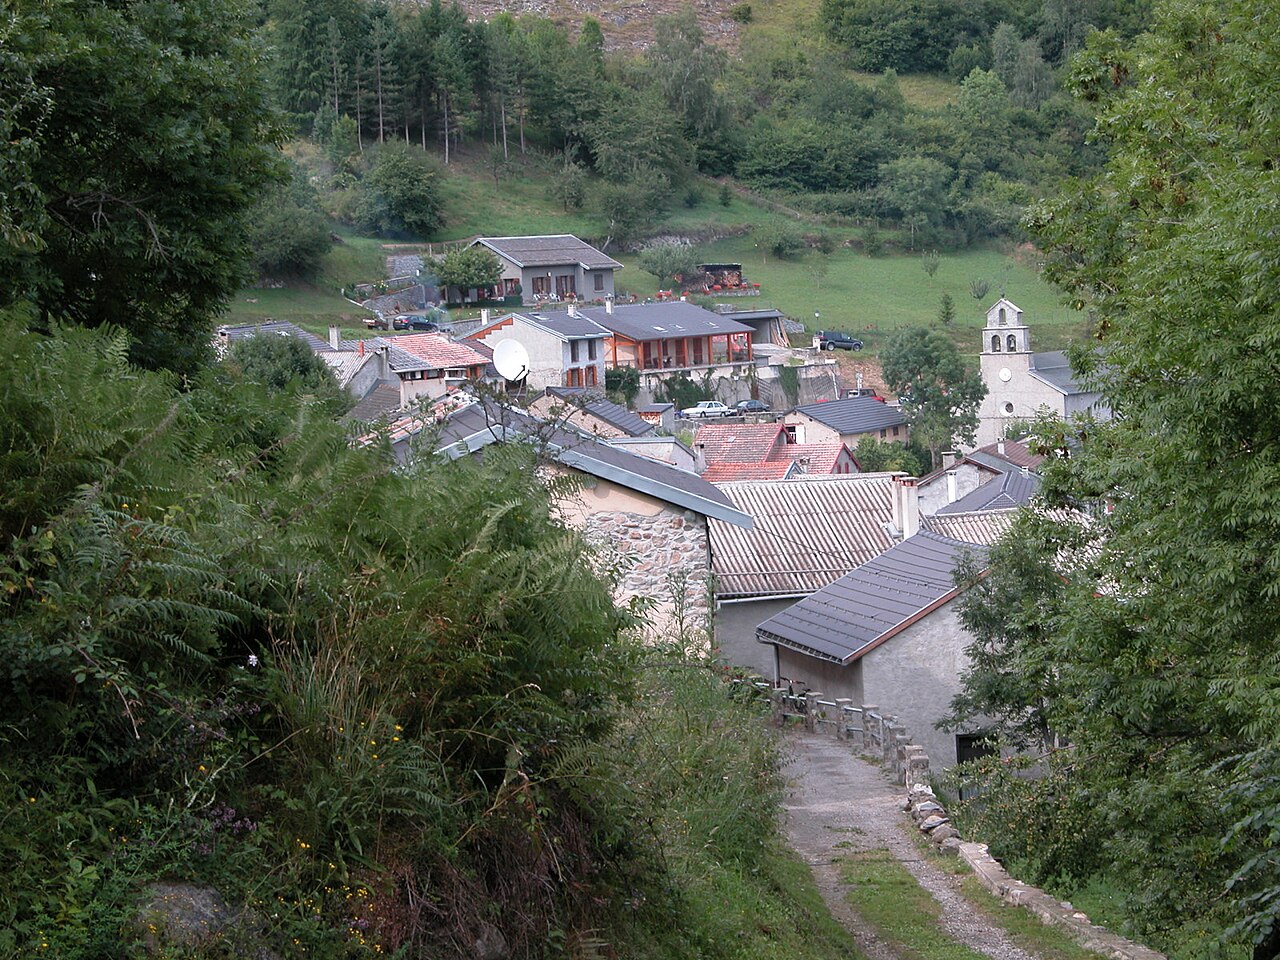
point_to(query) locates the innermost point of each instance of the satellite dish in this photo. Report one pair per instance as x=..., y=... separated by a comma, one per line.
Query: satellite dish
x=511, y=359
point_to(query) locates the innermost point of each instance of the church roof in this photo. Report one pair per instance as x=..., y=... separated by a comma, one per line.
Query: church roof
x=1054, y=369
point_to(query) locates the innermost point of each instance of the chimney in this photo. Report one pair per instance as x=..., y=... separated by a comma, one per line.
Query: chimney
x=334, y=342
x=484, y=316
x=906, y=506
x=910, y=507
x=949, y=458
x=361, y=346
x=384, y=364
x=608, y=305
x=951, y=487
x=573, y=309
x=1000, y=446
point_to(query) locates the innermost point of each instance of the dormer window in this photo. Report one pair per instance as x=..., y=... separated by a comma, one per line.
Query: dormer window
x=995, y=343
x=1013, y=343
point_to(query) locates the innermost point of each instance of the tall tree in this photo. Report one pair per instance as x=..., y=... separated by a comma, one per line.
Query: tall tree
x=940, y=396
x=134, y=191
x=1166, y=652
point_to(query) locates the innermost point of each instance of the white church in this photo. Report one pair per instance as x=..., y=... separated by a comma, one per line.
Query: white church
x=1020, y=383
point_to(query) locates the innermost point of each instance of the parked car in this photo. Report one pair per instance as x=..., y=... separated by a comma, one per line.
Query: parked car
x=752, y=406
x=861, y=392
x=706, y=409
x=377, y=323
x=423, y=325
x=830, y=339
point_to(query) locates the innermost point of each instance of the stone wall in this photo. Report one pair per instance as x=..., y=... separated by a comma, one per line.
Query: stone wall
x=665, y=557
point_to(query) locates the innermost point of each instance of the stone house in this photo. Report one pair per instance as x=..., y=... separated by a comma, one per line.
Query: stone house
x=557, y=267
x=648, y=518
x=977, y=480
x=1021, y=384
x=564, y=348
x=847, y=421
x=886, y=633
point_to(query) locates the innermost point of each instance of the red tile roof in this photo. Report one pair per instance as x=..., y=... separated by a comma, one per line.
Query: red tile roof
x=725, y=471
x=822, y=457
x=737, y=442
x=438, y=350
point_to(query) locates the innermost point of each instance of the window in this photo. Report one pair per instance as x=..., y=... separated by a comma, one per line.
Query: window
x=573, y=350
x=1008, y=409
x=592, y=346
x=565, y=286
x=591, y=377
x=895, y=431
x=542, y=286
x=599, y=278
x=883, y=434
x=1002, y=318
x=995, y=343
x=1013, y=343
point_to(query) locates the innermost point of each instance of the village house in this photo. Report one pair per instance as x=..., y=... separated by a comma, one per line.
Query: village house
x=847, y=421
x=807, y=532
x=978, y=480
x=765, y=451
x=670, y=336
x=558, y=267
x=564, y=348
x=1021, y=384
x=887, y=633
x=648, y=518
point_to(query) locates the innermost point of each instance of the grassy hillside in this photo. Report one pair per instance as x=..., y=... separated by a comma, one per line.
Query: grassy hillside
x=867, y=295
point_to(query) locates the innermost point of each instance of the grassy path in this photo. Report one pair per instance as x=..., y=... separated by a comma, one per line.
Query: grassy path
x=846, y=820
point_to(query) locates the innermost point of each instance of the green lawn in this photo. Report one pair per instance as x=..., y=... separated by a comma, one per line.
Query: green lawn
x=872, y=296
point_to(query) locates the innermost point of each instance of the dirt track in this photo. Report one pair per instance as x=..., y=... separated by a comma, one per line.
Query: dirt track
x=839, y=802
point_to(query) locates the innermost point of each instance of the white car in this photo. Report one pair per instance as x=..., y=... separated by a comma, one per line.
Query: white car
x=708, y=408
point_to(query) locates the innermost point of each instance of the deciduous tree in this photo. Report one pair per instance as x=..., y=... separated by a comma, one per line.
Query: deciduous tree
x=940, y=396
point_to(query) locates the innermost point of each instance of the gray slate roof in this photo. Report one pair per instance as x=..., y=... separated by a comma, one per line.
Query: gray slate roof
x=1054, y=368
x=549, y=251
x=855, y=415
x=558, y=323
x=381, y=401
x=1010, y=491
x=399, y=360
x=594, y=403
x=867, y=606
x=476, y=426
x=666, y=320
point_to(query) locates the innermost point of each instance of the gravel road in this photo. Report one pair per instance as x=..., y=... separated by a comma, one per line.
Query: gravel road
x=837, y=798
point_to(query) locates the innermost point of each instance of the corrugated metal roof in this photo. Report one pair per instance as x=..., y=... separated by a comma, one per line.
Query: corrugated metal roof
x=233, y=334
x=808, y=531
x=843, y=620
x=984, y=527
x=737, y=442
x=595, y=403
x=854, y=415
x=549, y=251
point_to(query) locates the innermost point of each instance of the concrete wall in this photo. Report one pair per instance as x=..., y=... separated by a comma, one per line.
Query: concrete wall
x=934, y=494
x=914, y=675
x=736, y=633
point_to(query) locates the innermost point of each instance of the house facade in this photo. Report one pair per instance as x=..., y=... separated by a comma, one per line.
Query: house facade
x=551, y=268
x=1021, y=384
x=887, y=633
x=847, y=422
x=565, y=349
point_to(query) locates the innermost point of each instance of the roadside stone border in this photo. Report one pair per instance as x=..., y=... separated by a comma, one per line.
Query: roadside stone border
x=931, y=818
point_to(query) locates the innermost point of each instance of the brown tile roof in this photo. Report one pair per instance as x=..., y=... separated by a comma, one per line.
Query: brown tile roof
x=1015, y=452
x=737, y=442
x=438, y=350
x=727, y=471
